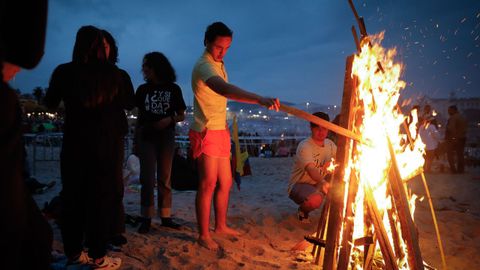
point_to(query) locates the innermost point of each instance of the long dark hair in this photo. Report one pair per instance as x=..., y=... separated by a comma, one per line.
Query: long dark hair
x=113, y=56
x=162, y=68
x=97, y=78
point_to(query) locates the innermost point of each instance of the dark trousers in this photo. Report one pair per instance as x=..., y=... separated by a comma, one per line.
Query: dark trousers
x=156, y=158
x=90, y=196
x=429, y=157
x=456, y=148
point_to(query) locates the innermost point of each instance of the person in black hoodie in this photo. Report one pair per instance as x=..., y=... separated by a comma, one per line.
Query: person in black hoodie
x=128, y=98
x=91, y=88
x=160, y=106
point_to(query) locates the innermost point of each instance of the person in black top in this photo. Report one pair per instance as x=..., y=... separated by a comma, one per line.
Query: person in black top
x=90, y=88
x=128, y=99
x=160, y=105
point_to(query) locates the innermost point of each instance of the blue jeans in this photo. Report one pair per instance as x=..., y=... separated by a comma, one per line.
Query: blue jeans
x=156, y=158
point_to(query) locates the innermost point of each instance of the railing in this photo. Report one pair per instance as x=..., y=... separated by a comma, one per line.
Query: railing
x=46, y=147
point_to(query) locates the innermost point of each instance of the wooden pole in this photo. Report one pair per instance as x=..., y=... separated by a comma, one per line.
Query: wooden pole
x=439, y=239
x=321, y=122
x=409, y=231
x=345, y=250
x=336, y=193
x=380, y=232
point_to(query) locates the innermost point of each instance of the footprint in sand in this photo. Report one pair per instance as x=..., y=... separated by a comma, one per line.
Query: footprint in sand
x=257, y=251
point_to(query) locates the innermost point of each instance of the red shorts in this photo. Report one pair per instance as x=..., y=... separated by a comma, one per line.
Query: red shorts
x=214, y=143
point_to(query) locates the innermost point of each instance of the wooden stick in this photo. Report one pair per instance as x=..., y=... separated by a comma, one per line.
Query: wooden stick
x=437, y=231
x=319, y=121
x=409, y=231
x=385, y=247
x=345, y=251
x=323, y=233
x=355, y=38
x=439, y=239
x=320, y=225
x=337, y=191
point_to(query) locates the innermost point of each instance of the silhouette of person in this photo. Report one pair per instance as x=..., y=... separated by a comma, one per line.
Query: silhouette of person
x=455, y=136
x=94, y=128
x=127, y=97
x=27, y=237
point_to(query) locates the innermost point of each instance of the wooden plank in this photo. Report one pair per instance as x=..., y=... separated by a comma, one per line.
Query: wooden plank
x=393, y=225
x=321, y=122
x=408, y=228
x=380, y=232
x=336, y=193
x=345, y=251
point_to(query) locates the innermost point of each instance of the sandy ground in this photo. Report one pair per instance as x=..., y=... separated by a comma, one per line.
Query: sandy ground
x=267, y=220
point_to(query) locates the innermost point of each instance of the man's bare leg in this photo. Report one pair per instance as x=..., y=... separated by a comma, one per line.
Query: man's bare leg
x=221, y=197
x=208, y=178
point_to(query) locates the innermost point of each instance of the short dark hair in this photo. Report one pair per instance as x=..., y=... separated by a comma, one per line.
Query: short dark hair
x=322, y=115
x=216, y=29
x=162, y=68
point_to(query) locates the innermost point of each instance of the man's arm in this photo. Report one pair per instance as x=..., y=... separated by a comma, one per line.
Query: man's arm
x=228, y=90
x=315, y=174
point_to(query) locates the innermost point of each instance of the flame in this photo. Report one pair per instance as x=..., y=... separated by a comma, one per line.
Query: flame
x=378, y=89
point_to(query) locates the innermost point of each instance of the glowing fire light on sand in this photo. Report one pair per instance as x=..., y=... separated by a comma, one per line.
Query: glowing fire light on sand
x=378, y=92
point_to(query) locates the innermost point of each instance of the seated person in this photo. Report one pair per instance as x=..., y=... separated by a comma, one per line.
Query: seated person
x=309, y=179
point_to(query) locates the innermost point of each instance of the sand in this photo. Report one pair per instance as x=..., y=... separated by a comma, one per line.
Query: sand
x=265, y=216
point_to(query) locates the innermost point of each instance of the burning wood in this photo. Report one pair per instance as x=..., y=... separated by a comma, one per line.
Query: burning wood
x=369, y=198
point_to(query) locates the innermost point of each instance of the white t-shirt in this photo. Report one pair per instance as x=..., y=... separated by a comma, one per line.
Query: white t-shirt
x=430, y=136
x=310, y=152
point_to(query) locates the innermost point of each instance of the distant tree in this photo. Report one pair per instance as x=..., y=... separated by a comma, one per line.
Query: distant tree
x=38, y=93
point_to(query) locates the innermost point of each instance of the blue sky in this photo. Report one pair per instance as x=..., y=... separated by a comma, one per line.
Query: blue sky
x=293, y=50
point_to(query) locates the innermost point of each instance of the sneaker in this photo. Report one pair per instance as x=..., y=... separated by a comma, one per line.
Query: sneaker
x=168, y=222
x=107, y=263
x=81, y=260
x=144, y=225
x=302, y=216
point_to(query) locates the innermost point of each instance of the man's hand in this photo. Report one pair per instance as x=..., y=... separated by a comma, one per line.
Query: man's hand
x=270, y=103
x=325, y=186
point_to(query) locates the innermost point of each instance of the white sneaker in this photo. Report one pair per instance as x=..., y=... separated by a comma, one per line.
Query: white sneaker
x=82, y=260
x=108, y=263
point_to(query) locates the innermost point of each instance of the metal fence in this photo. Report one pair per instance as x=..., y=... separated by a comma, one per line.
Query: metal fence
x=45, y=147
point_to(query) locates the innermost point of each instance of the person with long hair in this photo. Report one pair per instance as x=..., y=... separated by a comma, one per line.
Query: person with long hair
x=90, y=88
x=160, y=106
x=127, y=96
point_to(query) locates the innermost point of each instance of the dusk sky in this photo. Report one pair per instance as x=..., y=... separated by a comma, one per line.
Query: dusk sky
x=293, y=50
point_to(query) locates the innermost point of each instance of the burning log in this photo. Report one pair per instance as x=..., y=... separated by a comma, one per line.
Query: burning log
x=338, y=185
x=380, y=231
x=409, y=231
x=344, y=258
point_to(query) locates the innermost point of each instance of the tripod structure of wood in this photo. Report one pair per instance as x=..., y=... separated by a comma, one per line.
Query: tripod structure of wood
x=390, y=228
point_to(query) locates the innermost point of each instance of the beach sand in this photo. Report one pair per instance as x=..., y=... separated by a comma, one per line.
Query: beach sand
x=266, y=217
